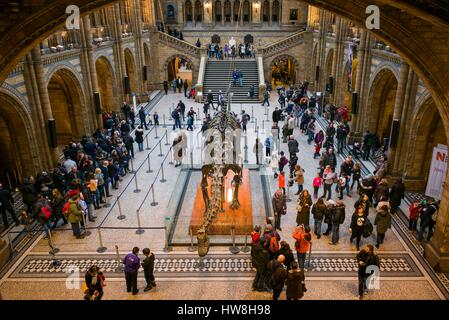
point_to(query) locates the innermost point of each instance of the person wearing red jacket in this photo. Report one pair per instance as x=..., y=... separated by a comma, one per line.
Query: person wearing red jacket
x=302, y=245
x=414, y=215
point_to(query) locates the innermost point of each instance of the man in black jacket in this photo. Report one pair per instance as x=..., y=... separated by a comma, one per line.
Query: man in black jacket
x=186, y=86
x=260, y=259
x=148, y=269
x=366, y=258
x=142, y=117
x=166, y=87
x=277, y=115
x=6, y=202
x=278, y=276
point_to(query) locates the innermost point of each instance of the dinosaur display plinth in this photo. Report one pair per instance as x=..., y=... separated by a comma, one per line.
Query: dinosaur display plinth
x=242, y=217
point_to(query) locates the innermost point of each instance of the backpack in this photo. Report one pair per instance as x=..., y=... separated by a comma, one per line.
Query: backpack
x=45, y=212
x=368, y=228
x=274, y=244
x=66, y=209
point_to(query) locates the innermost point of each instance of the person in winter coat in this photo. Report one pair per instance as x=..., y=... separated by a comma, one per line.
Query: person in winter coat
x=329, y=176
x=260, y=258
x=279, y=203
x=328, y=216
x=295, y=282
x=57, y=203
x=365, y=258
x=397, y=193
x=148, y=269
x=368, y=187
x=287, y=253
x=94, y=282
x=319, y=210
x=337, y=218
x=427, y=215
x=382, y=191
x=278, y=276
x=329, y=159
x=28, y=193
x=302, y=245
x=139, y=137
x=414, y=215
x=299, y=178
x=317, y=182
x=364, y=202
x=303, y=206
x=356, y=174
x=358, y=222
x=75, y=216
x=382, y=221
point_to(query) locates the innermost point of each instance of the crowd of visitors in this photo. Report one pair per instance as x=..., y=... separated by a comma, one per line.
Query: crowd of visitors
x=230, y=51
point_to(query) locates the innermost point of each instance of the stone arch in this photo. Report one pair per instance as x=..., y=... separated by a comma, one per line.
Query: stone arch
x=276, y=11
x=381, y=100
x=217, y=10
x=169, y=68
x=18, y=144
x=292, y=59
x=385, y=65
x=328, y=64
x=106, y=84
x=427, y=131
x=131, y=70
x=67, y=102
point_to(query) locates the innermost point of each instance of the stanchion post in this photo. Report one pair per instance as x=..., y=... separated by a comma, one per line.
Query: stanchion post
x=267, y=115
x=146, y=139
x=101, y=248
x=192, y=248
x=233, y=249
x=246, y=248
x=50, y=240
x=263, y=124
x=255, y=126
x=132, y=166
x=160, y=150
x=87, y=232
x=169, y=113
x=119, y=261
x=288, y=193
x=171, y=156
x=149, y=164
x=191, y=159
x=139, y=230
x=163, y=180
x=164, y=125
x=121, y=215
x=155, y=132
x=166, y=138
x=137, y=190
x=153, y=203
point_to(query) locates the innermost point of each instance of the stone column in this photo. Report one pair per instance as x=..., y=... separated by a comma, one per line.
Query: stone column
x=402, y=156
x=222, y=14
x=88, y=64
x=193, y=14
x=270, y=13
x=29, y=76
x=398, y=109
x=232, y=12
x=138, y=45
x=436, y=251
x=117, y=48
x=44, y=98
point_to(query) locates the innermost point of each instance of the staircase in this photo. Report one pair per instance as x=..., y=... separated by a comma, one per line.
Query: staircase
x=218, y=75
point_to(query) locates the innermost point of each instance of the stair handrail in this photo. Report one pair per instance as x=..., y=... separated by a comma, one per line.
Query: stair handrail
x=179, y=44
x=290, y=40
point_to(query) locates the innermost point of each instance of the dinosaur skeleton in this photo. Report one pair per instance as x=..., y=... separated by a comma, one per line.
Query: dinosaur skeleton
x=222, y=149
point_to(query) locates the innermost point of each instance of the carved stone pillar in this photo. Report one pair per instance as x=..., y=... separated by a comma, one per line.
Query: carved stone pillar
x=44, y=97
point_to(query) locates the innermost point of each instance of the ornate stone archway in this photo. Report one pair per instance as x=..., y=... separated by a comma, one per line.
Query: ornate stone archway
x=107, y=85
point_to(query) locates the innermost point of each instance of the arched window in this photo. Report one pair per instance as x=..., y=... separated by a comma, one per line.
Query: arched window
x=198, y=11
x=227, y=11
x=246, y=11
x=188, y=11
x=218, y=11
x=236, y=10
x=275, y=13
x=170, y=13
x=266, y=11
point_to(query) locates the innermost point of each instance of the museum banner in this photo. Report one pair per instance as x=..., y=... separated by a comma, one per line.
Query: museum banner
x=437, y=173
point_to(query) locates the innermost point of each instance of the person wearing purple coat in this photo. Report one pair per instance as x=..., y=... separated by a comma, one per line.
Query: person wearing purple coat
x=132, y=265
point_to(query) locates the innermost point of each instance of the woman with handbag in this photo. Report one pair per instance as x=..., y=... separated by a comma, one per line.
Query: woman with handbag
x=299, y=178
x=359, y=226
x=93, y=287
x=382, y=221
x=303, y=208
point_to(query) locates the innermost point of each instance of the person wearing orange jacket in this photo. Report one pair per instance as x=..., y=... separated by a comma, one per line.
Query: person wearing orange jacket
x=281, y=181
x=302, y=245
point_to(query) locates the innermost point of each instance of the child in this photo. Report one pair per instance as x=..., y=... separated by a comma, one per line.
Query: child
x=317, y=150
x=341, y=185
x=414, y=215
x=317, y=182
x=255, y=235
x=282, y=161
x=282, y=181
x=148, y=268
